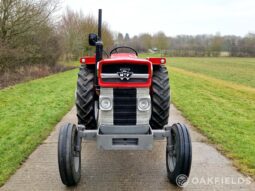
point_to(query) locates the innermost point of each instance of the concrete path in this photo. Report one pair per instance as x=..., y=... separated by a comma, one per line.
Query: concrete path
x=132, y=170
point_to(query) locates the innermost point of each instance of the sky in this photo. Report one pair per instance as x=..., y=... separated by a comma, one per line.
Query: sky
x=173, y=17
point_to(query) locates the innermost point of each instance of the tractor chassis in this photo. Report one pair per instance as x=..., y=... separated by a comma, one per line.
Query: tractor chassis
x=122, y=141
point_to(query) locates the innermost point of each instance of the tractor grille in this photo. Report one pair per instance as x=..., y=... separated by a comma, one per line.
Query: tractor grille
x=124, y=106
x=139, y=72
x=114, y=68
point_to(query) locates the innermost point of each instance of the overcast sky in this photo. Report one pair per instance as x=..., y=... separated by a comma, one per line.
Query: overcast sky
x=173, y=16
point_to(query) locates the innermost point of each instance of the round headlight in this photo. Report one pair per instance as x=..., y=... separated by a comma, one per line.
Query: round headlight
x=105, y=104
x=144, y=104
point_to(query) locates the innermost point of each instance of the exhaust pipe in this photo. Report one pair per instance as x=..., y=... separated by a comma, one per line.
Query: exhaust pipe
x=100, y=24
x=99, y=44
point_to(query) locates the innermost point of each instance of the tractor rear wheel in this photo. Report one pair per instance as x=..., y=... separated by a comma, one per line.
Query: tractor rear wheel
x=160, y=94
x=85, y=98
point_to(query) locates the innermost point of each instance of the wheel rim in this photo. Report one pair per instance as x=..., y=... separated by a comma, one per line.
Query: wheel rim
x=96, y=109
x=172, y=153
x=76, y=163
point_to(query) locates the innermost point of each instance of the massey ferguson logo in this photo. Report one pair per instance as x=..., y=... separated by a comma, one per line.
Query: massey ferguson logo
x=125, y=73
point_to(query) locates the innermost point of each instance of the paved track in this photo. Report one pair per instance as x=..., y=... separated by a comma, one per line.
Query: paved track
x=132, y=170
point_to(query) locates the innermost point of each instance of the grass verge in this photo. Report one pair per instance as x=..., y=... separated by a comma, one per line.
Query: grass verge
x=70, y=63
x=28, y=112
x=223, y=111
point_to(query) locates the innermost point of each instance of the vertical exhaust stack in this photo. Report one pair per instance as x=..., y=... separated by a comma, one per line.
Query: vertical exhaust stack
x=100, y=24
x=99, y=43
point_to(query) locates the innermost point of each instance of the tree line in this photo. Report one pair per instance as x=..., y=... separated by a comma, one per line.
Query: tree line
x=32, y=33
x=188, y=45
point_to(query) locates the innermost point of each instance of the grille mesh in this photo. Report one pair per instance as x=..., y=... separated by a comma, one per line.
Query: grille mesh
x=124, y=106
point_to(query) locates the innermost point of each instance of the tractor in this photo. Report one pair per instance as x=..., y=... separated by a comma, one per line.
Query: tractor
x=122, y=103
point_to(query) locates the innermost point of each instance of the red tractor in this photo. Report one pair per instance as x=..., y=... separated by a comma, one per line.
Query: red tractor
x=122, y=103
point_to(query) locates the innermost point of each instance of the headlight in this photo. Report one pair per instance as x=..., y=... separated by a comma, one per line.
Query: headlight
x=105, y=104
x=144, y=104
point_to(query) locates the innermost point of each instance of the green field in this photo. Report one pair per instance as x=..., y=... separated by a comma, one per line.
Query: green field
x=28, y=112
x=237, y=70
x=220, y=104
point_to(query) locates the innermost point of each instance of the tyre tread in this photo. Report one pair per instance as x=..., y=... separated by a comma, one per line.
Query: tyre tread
x=64, y=156
x=183, y=166
x=160, y=93
x=85, y=98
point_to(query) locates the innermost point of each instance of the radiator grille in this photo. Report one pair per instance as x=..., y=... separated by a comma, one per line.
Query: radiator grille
x=124, y=106
x=134, y=69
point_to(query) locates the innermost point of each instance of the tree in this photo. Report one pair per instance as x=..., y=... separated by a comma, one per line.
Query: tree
x=120, y=39
x=160, y=41
x=74, y=30
x=127, y=38
x=216, y=44
x=20, y=16
x=248, y=45
x=146, y=41
x=26, y=33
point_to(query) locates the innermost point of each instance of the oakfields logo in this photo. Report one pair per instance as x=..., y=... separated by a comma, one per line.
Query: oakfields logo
x=182, y=180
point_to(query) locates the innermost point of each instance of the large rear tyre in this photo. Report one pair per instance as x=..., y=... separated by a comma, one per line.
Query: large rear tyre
x=69, y=158
x=178, y=154
x=85, y=98
x=160, y=94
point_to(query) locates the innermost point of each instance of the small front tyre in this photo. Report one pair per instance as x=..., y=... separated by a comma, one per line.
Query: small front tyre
x=69, y=155
x=178, y=154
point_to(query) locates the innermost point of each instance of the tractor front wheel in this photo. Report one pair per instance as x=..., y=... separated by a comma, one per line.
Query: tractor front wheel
x=69, y=155
x=178, y=154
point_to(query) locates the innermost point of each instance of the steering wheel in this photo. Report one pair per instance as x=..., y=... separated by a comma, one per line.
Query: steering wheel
x=116, y=49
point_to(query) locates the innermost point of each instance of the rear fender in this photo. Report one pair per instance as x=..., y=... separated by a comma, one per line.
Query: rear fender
x=88, y=60
x=157, y=61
